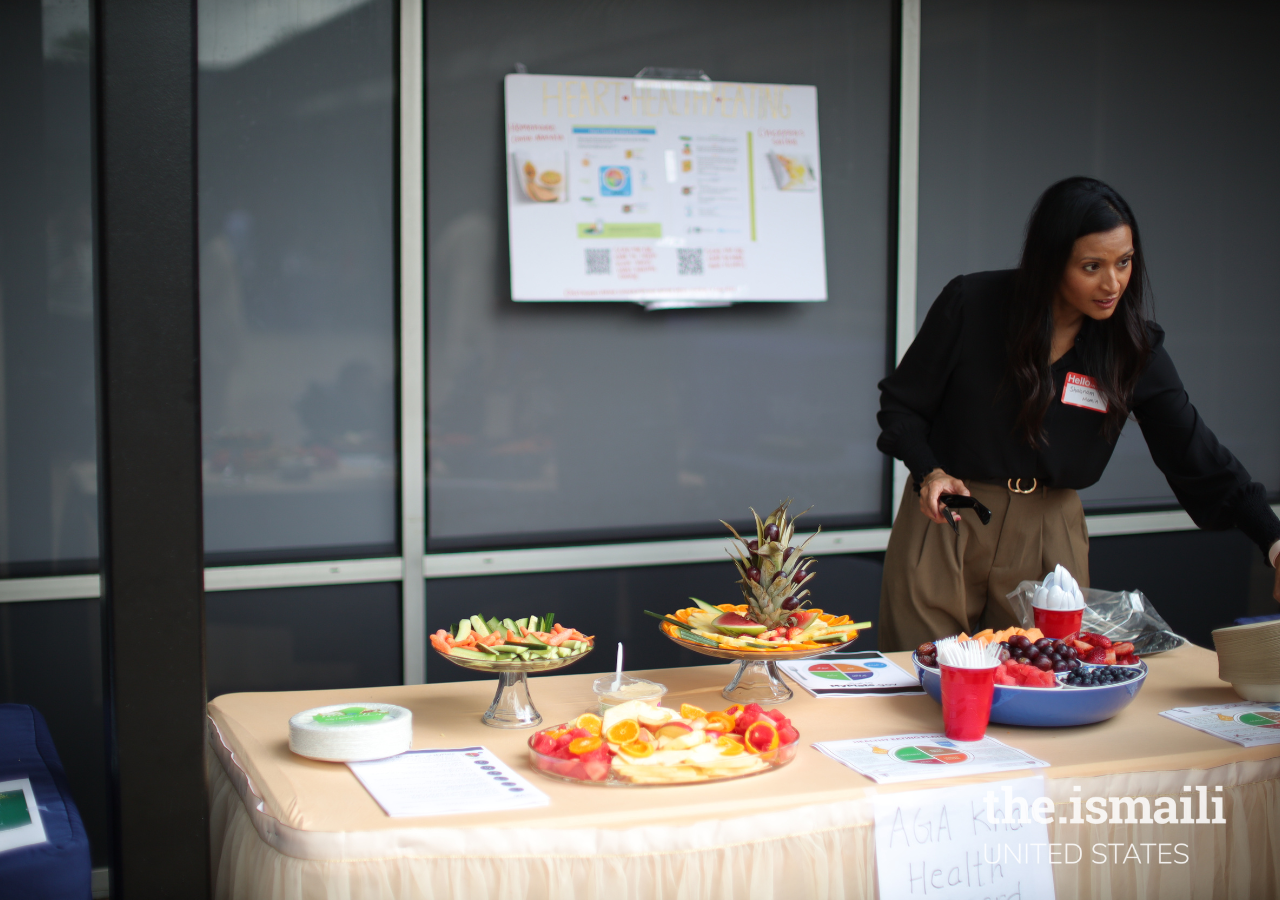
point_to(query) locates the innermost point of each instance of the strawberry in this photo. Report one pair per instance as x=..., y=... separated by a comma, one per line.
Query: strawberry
x=1096, y=656
x=1111, y=657
x=1124, y=648
x=1081, y=647
x=1096, y=640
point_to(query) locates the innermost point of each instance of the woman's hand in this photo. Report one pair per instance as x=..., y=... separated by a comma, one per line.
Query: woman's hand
x=939, y=482
x=1276, y=592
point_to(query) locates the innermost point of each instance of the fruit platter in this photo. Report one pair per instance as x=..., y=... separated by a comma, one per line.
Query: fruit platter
x=773, y=624
x=638, y=744
x=1046, y=683
x=512, y=649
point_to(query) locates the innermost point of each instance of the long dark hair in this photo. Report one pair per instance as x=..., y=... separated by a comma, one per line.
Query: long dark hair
x=1118, y=348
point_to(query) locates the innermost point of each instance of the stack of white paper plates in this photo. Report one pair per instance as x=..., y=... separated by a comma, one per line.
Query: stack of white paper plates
x=351, y=732
x=1249, y=658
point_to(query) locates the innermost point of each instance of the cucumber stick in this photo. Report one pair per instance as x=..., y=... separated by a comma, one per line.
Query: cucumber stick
x=464, y=629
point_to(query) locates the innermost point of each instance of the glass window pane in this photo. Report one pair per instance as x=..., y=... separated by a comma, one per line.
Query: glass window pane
x=48, y=479
x=297, y=227
x=609, y=603
x=303, y=639
x=556, y=420
x=1163, y=103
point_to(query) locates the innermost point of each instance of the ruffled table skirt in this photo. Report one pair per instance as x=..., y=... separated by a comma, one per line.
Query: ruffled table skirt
x=812, y=852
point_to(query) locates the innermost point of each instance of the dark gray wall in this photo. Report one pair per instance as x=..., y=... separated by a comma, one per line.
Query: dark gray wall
x=558, y=421
x=1170, y=102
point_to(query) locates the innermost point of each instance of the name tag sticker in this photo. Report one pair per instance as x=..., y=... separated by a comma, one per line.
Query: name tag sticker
x=1082, y=391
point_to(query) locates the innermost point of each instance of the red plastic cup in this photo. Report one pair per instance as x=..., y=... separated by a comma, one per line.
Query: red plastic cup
x=1059, y=624
x=966, y=701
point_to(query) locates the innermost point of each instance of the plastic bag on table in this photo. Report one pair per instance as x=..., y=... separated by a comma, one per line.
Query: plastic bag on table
x=1118, y=615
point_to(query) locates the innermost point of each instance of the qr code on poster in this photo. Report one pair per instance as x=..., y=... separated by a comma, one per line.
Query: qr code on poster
x=689, y=262
x=598, y=262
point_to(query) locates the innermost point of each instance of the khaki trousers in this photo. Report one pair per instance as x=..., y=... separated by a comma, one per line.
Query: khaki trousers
x=937, y=583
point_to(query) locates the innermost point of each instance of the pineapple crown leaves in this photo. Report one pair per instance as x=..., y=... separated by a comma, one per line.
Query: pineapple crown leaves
x=776, y=567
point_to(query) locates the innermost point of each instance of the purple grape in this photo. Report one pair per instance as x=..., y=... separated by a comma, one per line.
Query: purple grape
x=1044, y=664
x=771, y=532
x=1060, y=666
x=754, y=574
x=786, y=554
x=790, y=603
x=754, y=546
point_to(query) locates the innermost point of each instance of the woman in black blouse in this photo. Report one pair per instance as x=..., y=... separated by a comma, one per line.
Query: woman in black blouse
x=1014, y=392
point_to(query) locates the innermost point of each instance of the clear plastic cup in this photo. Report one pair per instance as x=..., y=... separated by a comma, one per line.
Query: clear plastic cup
x=1059, y=624
x=628, y=689
x=966, y=701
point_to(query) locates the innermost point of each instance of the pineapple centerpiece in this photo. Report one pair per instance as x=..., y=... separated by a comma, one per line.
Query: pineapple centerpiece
x=774, y=622
x=774, y=573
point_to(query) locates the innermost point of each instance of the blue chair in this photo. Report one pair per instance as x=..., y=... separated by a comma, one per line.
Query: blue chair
x=60, y=867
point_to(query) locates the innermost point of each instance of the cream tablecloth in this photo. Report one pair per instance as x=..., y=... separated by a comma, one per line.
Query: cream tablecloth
x=288, y=828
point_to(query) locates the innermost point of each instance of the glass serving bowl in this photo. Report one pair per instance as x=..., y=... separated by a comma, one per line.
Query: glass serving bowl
x=757, y=679
x=572, y=770
x=512, y=707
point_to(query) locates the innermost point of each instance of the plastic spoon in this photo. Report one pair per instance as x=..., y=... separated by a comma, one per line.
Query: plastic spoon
x=617, y=676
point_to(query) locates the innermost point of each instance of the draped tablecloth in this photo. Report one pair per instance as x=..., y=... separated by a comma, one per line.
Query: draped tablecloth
x=288, y=828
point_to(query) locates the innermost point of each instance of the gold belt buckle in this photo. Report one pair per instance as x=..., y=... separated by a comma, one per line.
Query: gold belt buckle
x=1019, y=490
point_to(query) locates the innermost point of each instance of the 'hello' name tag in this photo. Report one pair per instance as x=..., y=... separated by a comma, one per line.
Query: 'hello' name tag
x=1081, y=390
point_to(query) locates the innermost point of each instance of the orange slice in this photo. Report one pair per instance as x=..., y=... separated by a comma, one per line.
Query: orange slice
x=579, y=746
x=718, y=721
x=729, y=746
x=623, y=732
x=589, y=721
x=637, y=749
x=761, y=737
x=689, y=711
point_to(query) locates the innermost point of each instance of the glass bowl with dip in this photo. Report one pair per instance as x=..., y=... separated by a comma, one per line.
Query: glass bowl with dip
x=627, y=689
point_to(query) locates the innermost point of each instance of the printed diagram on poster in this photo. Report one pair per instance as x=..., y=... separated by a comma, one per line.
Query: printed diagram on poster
x=924, y=757
x=667, y=193
x=20, y=822
x=1249, y=724
x=862, y=673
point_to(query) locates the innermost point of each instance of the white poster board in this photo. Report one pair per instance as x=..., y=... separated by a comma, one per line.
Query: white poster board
x=962, y=843
x=20, y=822
x=665, y=193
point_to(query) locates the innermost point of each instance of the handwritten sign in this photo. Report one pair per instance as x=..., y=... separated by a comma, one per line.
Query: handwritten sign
x=976, y=841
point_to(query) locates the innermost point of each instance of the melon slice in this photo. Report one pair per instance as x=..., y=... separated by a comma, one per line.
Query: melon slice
x=734, y=624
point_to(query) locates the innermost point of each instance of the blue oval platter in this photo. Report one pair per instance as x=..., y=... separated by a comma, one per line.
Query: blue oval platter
x=1048, y=707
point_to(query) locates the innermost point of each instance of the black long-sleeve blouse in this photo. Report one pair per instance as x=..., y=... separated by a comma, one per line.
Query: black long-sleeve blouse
x=951, y=404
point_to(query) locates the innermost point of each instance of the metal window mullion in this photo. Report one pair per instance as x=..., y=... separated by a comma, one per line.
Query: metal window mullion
x=413, y=464
x=149, y=479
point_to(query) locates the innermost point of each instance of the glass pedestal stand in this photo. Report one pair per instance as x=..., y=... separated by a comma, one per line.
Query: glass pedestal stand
x=757, y=679
x=512, y=707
